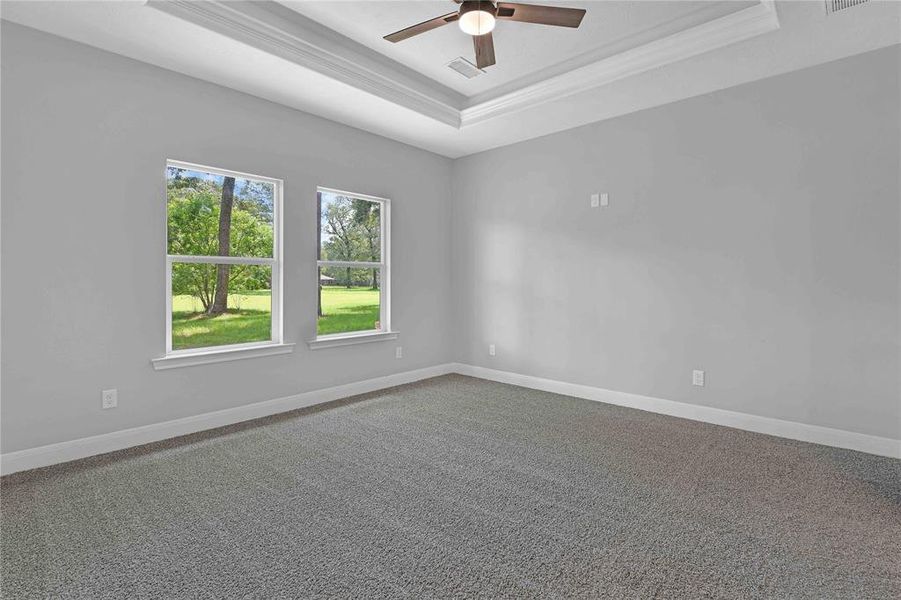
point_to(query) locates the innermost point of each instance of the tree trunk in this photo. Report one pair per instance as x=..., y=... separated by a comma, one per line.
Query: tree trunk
x=319, y=303
x=319, y=251
x=375, y=279
x=349, y=282
x=220, y=302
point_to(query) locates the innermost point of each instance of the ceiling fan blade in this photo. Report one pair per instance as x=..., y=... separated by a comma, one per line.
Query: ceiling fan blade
x=543, y=15
x=399, y=36
x=484, y=45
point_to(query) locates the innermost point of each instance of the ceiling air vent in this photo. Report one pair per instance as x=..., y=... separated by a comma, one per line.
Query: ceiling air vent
x=833, y=6
x=464, y=67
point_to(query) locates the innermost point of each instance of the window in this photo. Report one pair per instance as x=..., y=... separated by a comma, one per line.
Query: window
x=353, y=263
x=223, y=260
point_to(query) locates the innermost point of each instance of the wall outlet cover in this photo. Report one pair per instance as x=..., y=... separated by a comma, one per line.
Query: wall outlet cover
x=697, y=378
x=109, y=399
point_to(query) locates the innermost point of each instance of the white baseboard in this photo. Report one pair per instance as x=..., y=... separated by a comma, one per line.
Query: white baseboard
x=51, y=454
x=851, y=440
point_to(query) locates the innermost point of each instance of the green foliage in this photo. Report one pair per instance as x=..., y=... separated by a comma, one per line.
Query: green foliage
x=351, y=231
x=193, y=224
x=347, y=278
x=199, y=280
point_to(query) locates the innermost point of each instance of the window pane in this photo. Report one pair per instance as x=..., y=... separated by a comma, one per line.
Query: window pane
x=349, y=300
x=196, y=200
x=349, y=228
x=199, y=318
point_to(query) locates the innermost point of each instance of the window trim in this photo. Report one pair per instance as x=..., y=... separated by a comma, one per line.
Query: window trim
x=275, y=344
x=384, y=266
x=221, y=354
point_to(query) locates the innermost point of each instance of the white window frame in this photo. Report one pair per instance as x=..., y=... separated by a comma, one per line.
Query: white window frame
x=385, y=332
x=207, y=354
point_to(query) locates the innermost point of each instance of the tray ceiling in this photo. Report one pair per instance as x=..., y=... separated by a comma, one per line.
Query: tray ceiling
x=525, y=52
x=328, y=58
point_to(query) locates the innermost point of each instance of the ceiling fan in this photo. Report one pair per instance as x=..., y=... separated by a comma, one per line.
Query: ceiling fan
x=477, y=18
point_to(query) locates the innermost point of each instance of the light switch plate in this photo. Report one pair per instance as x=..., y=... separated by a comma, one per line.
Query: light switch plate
x=605, y=200
x=595, y=200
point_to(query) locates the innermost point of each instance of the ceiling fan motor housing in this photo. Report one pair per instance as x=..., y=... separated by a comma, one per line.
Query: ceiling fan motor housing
x=471, y=5
x=477, y=17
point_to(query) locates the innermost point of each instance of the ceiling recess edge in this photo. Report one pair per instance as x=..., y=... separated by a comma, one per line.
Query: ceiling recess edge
x=249, y=23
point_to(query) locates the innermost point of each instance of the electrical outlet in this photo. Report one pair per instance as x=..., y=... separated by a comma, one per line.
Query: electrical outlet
x=605, y=200
x=399, y=352
x=491, y=350
x=109, y=399
x=697, y=378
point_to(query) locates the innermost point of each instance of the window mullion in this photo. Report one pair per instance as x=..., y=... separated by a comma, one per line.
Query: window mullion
x=350, y=263
x=221, y=260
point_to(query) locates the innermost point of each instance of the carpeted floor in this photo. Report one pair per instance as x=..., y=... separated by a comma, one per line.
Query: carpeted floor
x=458, y=487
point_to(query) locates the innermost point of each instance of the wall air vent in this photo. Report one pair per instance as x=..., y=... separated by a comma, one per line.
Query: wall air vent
x=465, y=68
x=833, y=6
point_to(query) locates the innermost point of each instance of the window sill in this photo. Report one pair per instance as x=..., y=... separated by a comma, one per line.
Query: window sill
x=205, y=357
x=331, y=341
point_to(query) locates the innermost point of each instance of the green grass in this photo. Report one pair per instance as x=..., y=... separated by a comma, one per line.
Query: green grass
x=249, y=319
x=343, y=310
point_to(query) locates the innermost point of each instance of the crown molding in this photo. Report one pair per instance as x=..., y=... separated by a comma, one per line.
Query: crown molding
x=258, y=25
x=238, y=21
x=723, y=31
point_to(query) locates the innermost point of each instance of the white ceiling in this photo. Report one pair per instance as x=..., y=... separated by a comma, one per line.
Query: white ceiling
x=627, y=56
x=522, y=49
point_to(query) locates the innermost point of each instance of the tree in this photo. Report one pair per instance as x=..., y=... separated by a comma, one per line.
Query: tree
x=367, y=219
x=351, y=231
x=194, y=224
x=220, y=301
x=343, y=238
x=255, y=198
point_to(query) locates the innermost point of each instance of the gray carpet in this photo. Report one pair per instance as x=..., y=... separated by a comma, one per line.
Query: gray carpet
x=458, y=487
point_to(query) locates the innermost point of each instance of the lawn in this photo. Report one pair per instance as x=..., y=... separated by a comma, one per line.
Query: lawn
x=248, y=318
x=343, y=309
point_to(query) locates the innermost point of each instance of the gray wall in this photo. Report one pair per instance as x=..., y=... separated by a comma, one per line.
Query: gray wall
x=752, y=233
x=85, y=138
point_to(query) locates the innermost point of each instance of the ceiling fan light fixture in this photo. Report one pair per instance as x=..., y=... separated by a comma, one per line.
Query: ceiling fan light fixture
x=477, y=18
